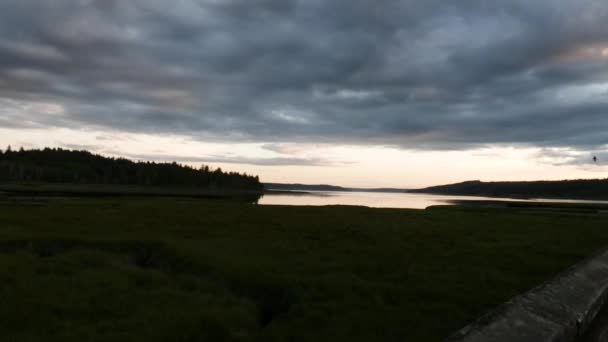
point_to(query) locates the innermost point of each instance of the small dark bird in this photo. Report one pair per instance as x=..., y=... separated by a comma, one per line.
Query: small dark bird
x=595, y=159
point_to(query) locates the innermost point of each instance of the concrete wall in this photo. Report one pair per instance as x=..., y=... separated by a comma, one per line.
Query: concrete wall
x=561, y=309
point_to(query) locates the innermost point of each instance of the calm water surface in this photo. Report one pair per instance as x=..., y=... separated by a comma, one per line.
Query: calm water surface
x=383, y=200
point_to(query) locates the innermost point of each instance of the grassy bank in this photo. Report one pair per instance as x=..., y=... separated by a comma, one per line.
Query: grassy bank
x=168, y=269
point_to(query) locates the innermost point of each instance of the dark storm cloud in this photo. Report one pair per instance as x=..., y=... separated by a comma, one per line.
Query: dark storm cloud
x=417, y=74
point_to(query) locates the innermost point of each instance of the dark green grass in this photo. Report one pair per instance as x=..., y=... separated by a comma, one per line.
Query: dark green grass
x=203, y=270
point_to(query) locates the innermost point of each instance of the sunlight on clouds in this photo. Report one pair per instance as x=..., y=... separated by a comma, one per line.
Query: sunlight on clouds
x=584, y=53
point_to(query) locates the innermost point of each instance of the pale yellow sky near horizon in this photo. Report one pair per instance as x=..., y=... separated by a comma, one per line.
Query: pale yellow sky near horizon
x=344, y=165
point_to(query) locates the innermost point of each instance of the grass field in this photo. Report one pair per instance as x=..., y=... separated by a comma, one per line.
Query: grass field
x=168, y=269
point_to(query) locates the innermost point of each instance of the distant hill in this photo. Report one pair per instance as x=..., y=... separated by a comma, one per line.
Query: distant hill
x=575, y=189
x=56, y=165
x=325, y=187
x=303, y=187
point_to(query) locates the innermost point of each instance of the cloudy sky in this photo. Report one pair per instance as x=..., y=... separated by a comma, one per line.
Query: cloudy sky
x=351, y=92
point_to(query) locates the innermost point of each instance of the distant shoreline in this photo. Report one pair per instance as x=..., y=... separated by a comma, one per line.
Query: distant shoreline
x=575, y=189
x=287, y=192
x=326, y=187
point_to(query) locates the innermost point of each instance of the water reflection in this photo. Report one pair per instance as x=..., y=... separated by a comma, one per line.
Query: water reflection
x=382, y=200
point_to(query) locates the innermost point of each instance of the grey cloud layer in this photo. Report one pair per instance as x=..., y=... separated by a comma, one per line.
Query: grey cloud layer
x=418, y=74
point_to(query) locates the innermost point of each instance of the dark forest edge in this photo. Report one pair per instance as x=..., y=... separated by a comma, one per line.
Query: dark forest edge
x=56, y=171
x=591, y=189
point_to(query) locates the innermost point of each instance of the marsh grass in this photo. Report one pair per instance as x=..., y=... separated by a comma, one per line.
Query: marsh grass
x=167, y=269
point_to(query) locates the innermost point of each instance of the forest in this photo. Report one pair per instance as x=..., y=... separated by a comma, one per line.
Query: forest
x=57, y=165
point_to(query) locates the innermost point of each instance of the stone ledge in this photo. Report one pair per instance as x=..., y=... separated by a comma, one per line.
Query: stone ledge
x=559, y=310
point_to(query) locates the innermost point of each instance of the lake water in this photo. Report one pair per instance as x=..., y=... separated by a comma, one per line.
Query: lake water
x=383, y=200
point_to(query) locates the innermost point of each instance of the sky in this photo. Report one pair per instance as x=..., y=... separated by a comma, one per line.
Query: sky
x=393, y=93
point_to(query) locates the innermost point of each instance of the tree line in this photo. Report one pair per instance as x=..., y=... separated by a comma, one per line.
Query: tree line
x=575, y=188
x=56, y=165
